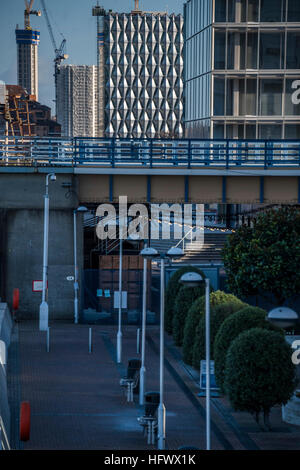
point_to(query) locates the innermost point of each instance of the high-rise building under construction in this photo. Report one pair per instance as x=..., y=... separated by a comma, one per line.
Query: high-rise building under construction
x=77, y=100
x=140, y=61
x=27, y=53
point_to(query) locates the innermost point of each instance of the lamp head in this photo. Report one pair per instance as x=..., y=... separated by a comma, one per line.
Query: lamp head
x=82, y=209
x=175, y=252
x=149, y=253
x=283, y=317
x=53, y=177
x=191, y=279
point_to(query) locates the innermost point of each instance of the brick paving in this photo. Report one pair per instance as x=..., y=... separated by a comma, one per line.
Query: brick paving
x=77, y=403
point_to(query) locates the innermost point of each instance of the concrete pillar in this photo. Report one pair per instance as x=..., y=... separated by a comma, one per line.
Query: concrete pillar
x=23, y=245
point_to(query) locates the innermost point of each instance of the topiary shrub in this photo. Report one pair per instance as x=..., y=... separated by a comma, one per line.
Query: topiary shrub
x=171, y=292
x=248, y=317
x=218, y=314
x=259, y=373
x=192, y=320
x=183, y=302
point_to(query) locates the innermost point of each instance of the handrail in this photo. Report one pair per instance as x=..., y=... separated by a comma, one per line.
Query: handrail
x=113, y=152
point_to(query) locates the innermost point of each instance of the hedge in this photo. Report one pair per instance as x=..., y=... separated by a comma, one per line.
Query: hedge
x=194, y=314
x=183, y=302
x=172, y=289
x=259, y=373
x=248, y=317
x=218, y=314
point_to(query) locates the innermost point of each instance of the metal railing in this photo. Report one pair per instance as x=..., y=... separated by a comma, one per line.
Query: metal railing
x=186, y=153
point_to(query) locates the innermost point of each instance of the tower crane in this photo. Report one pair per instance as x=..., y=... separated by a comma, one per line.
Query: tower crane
x=60, y=54
x=29, y=11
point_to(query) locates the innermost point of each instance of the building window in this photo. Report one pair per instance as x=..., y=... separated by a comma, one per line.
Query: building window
x=271, y=51
x=292, y=97
x=269, y=131
x=249, y=12
x=272, y=11
x=218, y=131
x=292, y=131
x=220, y=11
x=293, y=48
x=294, y=11
x=220, y=43
x=271, y=97
x=252, y=42
x=219, y=96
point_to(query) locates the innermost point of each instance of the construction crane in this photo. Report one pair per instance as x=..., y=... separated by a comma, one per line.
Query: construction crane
x=29, y=11
x=60, y=54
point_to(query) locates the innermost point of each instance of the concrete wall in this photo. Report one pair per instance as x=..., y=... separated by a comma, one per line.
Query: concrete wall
x=23, y=254
x=5, y=335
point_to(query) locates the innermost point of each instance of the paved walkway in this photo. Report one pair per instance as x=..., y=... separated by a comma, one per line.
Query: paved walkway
x=77, y=403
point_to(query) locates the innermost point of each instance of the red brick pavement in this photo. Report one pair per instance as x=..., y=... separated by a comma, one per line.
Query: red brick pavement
x=77, y=403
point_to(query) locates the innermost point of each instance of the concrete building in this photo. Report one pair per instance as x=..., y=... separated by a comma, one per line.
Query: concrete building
x=27, y=60
x=142, y=56
x=77, y=100
x=242, y=67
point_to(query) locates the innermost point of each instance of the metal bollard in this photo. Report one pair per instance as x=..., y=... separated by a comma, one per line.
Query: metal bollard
x=48, y=339
x=138, y=341
x=90, y=340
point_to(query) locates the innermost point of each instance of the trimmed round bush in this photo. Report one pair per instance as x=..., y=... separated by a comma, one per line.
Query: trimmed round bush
x=171, y=292
x=183, y=302
x=218, y=314
x=245, y=319
x=259, y=372
x=194, y=314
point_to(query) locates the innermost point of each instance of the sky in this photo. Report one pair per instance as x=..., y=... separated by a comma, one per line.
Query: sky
x=70, y=19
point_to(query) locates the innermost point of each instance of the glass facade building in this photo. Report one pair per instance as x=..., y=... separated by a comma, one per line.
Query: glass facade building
x=242, y=69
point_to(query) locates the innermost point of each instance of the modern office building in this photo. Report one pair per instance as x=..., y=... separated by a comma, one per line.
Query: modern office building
x=77, y=100
x=27, y=60
x=143, y=73
x=242, y=68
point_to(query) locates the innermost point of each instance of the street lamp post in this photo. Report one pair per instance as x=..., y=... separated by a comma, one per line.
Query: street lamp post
x=147, y=254
x=119, y=334
x=76, y=277
x=173, y=253
x=192, y=279
x=44, y=309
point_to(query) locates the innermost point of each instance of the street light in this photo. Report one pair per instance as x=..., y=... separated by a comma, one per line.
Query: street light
x=44, y=309
x=283, y=317
x=173, y=253
x=147, y=254
x=76, y=285
x=192, y=279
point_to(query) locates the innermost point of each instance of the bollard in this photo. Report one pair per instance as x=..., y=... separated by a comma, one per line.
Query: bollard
x=90, y=340
x=138, y=341
x=48, y=339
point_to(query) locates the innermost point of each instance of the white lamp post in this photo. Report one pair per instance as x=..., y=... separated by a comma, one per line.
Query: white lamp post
x=148, y=254
x=173, y=253
x=44, y=310
x=119, y=334
x=193, y=279
x=76, y=285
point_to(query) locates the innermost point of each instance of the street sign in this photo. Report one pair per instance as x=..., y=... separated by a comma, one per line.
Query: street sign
x=213, y=385
x=117, y=299
x=37, y=286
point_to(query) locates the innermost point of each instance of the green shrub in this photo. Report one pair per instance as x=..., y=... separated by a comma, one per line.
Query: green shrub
x=259, y=372
x=218, y=314
x=192, y=320
x=183, y=302
x=172, y=289
x=248, y=317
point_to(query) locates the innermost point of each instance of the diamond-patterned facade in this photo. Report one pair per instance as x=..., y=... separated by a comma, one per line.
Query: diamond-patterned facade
x=143, y=75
